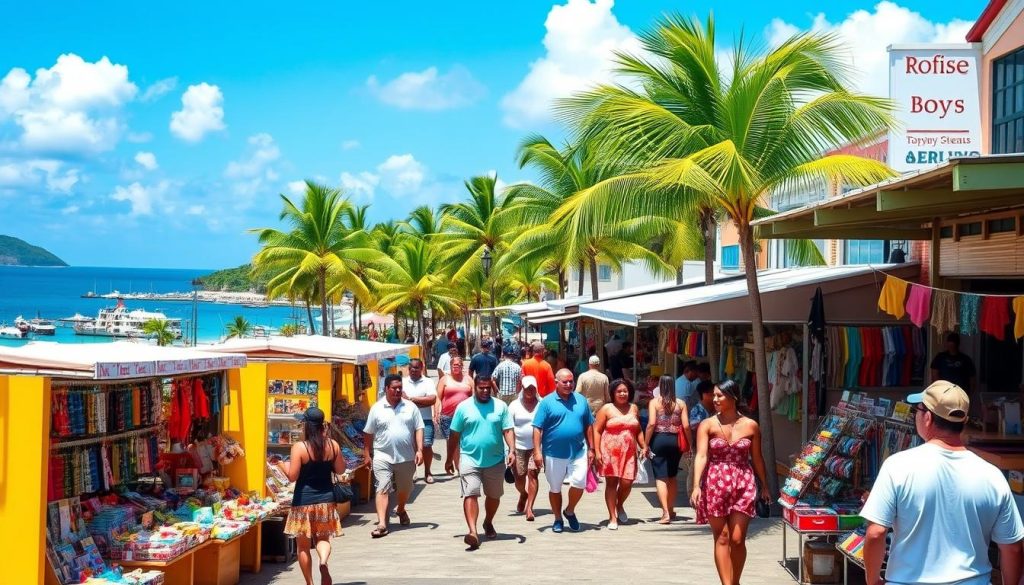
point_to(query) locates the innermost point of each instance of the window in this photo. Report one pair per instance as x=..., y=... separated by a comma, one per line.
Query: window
x=731, y=257
x=604, y=273
x=970, y=229
x=1008, y=103
x=998, y=226
x=866, y=252
x=946, y=231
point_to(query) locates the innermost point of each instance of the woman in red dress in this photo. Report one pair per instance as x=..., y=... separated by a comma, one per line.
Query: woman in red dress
x=617, y=438
x=727, y=445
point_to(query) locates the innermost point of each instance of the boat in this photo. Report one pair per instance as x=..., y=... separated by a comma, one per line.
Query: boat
x=10, y=332
x=38, y=326
x=118, y=321
x=74, y=320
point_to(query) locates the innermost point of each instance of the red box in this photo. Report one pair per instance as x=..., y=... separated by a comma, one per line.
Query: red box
x=814, y=519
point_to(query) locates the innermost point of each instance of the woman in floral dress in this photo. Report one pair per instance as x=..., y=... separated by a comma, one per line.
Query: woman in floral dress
x=616, y=440
x=728, y=457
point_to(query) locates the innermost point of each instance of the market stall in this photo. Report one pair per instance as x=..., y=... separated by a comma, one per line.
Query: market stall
x=127, y=449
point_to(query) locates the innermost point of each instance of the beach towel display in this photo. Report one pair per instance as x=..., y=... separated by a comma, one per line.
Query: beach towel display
x=874, y=356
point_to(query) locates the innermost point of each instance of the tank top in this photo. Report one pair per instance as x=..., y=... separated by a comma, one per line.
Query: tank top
x=315, y=484
x=454, y=394
x=668, y=423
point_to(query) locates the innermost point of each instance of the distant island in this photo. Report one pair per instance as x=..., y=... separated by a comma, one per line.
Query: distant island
x=17, y=252
x=234, y=280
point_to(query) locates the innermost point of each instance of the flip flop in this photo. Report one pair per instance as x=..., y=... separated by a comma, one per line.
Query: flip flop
x=379, y=532
x=428, y=479
x=529, y=517
x=489, y=530
x=472, y=541
x=403, y=518
x=325, y=575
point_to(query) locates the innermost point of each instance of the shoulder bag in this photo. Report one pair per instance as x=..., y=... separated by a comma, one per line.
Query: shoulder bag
x=683, y=443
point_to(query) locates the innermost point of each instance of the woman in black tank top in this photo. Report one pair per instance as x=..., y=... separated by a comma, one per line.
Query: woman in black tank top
x=313, y=518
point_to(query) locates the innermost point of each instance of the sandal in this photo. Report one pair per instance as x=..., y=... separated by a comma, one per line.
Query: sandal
x=489, y=531
x=379, y=532
x=529, y=516
x=472, y=541
x=403, y=518
x=325, y=575
x=428, y=479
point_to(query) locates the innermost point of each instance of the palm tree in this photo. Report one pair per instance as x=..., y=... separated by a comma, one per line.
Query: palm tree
x=724, y=137
x=160, y=330
x=414, y=278
x=423, y=222
x=527, y=278
x=240, y=327
x=318, y=246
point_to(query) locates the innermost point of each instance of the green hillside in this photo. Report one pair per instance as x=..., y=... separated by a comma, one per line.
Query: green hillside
x=16, y=252
x=234, y=279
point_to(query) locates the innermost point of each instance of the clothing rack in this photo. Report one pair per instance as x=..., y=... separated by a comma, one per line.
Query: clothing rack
x=104, y=438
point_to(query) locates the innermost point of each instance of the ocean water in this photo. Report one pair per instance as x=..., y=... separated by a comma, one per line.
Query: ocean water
x=55, y=293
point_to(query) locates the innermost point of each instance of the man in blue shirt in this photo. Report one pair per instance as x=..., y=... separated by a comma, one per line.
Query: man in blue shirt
x=561, y=446
x=483, y=363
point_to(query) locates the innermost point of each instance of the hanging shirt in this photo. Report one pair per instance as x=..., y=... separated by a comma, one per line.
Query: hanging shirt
x=944, y=312
x=891, y=300
x=919, y=304
x=969, y=314
x=995, y=315
x=1018, y=323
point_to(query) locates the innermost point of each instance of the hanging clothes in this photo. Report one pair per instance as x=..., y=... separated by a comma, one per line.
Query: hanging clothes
x=891, y=300
x=919, y=304
x=730, y=360
x=995, y=315
x=1018, y=323
x=944, y=311
x=969, y=314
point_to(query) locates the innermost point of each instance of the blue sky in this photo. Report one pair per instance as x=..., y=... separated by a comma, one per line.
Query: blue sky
x=156, y=134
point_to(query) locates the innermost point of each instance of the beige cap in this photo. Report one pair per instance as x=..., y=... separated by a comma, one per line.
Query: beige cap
x=945, y=400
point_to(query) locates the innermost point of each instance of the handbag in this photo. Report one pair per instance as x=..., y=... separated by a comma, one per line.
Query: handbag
x=763, y=509
x=510, y=476
x=643, y=471
x=684, y=445
x=342, y=491
x=591, y=479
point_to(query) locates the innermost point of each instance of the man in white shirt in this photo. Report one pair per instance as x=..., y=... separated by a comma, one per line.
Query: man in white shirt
x=943, y=503
x=392, y=447
x=444, y=363
x=422, y=391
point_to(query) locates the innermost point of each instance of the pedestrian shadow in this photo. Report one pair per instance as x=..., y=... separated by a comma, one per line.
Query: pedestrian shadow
x=414, y=525
x=518, y=538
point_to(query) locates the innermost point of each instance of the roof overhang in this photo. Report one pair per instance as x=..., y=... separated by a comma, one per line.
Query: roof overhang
x=331, y=349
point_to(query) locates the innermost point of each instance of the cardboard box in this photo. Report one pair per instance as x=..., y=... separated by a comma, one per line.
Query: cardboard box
x=1016, y=479
x=822, y=563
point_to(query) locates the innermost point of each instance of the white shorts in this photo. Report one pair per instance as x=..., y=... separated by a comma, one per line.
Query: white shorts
x=558, y=470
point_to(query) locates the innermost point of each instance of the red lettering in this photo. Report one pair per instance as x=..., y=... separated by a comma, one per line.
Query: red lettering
x=942, y=107
x=937, y=65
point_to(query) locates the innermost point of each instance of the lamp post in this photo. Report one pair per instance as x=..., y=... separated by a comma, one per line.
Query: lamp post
x=485, y=260
x=196, y=285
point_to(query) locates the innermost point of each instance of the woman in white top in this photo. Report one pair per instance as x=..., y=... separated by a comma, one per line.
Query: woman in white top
x=521, y=410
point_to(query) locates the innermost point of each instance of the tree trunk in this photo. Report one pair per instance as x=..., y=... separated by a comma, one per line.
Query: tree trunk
x=594, y=295
x=764, y=408
x=598, y=324
x=708, y=228
x=422, y=323
x=579, y=285
x=309, y=315
x=324, y=329
x=433, y=328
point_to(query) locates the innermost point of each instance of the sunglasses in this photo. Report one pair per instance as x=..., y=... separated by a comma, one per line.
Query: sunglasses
x=920, y=409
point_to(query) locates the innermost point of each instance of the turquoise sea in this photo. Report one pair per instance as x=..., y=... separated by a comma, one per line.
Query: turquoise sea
x=56, y=293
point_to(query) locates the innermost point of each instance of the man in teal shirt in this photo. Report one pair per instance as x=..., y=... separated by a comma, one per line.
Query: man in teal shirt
x=477, y=429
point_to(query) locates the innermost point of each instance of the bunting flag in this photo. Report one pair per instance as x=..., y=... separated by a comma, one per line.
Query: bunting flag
x=948, y=310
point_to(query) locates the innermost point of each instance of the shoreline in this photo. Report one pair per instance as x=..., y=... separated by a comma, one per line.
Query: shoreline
x=251, y=300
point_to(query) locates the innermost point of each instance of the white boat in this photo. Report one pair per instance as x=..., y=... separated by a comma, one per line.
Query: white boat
x=11, y=332
x=118, y=321
x=74, y=320
x=37, y=326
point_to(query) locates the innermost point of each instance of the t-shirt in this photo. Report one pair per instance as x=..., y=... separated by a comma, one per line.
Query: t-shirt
x=522, y=420
x=394, y=430
x=958, y=369
x=687, y=389
x=541, y=370
x=944, y=507
x=593, y=385
x=507, y=376
x=444, y=363
x=441, y=346
x=480, y=426
x=424, y=387
x=483, y=364
x=563, y=423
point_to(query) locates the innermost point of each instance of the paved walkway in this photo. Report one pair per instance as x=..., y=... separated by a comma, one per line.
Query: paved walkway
x=431, y=549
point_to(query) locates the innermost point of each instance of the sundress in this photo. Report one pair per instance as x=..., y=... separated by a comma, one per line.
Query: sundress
x=618, y=447
x=728, y=485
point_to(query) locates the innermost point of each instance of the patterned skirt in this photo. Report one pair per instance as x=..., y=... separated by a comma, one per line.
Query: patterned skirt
x=315, y=521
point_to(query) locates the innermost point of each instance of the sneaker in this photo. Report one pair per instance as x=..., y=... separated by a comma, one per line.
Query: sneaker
x=613, y=526
x=622, y=517
x=557, y=527
x=574, y=523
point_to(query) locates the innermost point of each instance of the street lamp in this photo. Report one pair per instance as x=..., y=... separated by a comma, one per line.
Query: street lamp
x=196, y=285
x=485, y=260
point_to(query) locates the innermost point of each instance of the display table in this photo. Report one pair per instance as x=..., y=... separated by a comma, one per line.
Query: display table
x=364, y=477
x=250, y=548
x=178, y=571
x=219, y=562
x=847, y=559
x=1004, y=451
x=786, y=526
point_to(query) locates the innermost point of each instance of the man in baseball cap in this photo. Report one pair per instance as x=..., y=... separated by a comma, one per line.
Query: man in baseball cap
x=941, y=497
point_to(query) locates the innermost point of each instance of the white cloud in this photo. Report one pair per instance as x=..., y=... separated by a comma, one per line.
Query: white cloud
x=70, y=210
x=158, y=89
x=401, y=174
x=262, y=152
x=143, y=198
x=35, y=174
x=72, y=107
x=202, y=112
x=296, y=188
x=579, y=44
x=866, y=34
x=139, y=137
x=428, y=89
x=196, y=210
x=361, y=185
x=146, y=160
x=350, y=145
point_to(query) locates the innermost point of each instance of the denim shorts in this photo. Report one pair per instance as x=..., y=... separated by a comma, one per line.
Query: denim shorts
x=428, y=433
x=446, y=425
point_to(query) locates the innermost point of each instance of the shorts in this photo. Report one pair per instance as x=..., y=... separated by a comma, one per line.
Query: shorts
x=446, y=425
x=393, y=476
x=558, y=470
x=524, y=461
x=508, y=398
x=428, y=433
x=490, y=481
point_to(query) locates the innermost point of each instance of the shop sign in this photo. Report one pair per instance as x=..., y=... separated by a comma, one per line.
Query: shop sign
x=182, y=366
x=165, y=368
x=938, y=108
x=117, y=370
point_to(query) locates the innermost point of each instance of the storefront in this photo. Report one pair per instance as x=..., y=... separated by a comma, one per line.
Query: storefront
x=89, y=421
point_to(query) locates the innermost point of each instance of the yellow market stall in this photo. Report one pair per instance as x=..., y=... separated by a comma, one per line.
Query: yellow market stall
x=77, y=421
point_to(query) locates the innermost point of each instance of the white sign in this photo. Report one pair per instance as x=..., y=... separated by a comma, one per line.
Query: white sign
x=938, y=109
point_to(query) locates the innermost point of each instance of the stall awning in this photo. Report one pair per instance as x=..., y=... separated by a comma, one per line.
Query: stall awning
x=112, y=361
x=898, y=209
x=851, y=294
x=518, y=308
x=571, y=304
x=552, y=316
x=338, y=349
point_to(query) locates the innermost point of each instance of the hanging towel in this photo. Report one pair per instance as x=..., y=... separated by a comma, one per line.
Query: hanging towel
x=995, y=314
x=919, y=304
x=969, y=314
x=944, y=311
x=1018, y=323
x=730, y=360
x=891, y=300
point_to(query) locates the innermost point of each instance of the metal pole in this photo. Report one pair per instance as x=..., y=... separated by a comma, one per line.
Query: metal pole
x=494, y=316
x=636, y=333
x=806, y=376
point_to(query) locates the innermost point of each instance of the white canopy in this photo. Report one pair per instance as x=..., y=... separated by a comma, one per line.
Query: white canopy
x=112, y=361
x=338, y=349
x=851, y=294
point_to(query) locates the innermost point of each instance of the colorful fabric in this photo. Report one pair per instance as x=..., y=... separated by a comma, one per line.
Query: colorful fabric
x=315, y=521
x=618, y=446
x=1018, y=323
x=919, y=304
x=944, y=312
x=891, y=300
x=995, y=314
x=728, y=482
x=969, y=314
